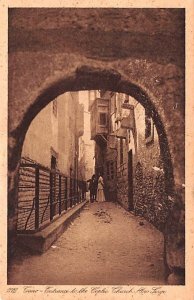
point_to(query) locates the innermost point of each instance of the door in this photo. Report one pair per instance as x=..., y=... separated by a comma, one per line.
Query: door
x=130, y=180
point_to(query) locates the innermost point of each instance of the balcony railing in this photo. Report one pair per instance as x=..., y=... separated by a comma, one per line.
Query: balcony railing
x=43, y=195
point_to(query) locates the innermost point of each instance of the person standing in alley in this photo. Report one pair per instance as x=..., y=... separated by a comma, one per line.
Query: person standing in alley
x=91, y=189
x=93, y=183
x=100, y=190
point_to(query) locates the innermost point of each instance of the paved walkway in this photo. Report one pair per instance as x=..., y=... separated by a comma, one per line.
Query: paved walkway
x=104, y=245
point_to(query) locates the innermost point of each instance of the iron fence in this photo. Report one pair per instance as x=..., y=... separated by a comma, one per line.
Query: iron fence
x=44, y=194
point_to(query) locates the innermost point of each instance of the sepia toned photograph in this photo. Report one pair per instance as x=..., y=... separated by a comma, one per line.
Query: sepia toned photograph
x=96, y=148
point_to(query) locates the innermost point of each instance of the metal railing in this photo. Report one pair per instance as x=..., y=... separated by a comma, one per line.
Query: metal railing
x=44, y=194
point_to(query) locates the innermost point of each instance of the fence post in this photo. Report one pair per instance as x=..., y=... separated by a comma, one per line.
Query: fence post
x=74, y=191
x=59, y=194
x=83, y=190
x=70, y=192
x=66, y=193
x=37, y=197
x=77, y=190
x=51, y=196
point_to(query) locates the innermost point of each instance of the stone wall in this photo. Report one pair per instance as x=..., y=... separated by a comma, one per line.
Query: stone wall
x=122, y=185
x=150, y=194
x=150, y=197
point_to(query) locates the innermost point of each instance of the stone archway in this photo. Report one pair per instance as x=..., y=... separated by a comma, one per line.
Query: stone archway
x=133, y=77
x=134, y=51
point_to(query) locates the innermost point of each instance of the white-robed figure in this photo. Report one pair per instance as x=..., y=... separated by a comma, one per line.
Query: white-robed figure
x=100, y=197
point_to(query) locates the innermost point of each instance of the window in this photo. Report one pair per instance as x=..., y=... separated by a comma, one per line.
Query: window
x=55, y=107
x=54, y=158
x=102, y=119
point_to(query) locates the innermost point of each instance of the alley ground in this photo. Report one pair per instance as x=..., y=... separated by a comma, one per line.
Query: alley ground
x=103, y=245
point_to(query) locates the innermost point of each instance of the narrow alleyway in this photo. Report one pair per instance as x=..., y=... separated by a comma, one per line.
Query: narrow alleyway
x=104, y=245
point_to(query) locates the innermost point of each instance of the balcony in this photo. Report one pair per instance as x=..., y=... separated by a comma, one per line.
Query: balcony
x=99, y=120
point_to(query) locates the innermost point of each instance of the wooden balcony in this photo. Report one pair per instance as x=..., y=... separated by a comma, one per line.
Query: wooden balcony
x=99, y=120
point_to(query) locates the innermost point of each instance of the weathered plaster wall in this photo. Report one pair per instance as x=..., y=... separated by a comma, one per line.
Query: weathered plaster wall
x=138, y=52
x=37, y=146
x=89, y=160
x=57, y=131
x=67, y=138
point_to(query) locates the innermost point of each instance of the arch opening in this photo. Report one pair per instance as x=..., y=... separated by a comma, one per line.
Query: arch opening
x=87, y=78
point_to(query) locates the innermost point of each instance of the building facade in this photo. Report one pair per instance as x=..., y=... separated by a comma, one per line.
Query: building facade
x=52, y=173
x=127, y=153
x=87, y=145
x=54, y=135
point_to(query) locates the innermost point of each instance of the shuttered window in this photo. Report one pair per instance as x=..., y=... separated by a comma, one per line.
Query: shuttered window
x=102, y=119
